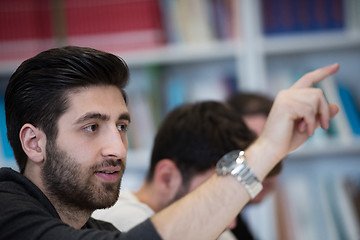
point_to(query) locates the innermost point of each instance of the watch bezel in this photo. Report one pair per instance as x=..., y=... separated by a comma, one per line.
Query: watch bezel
x=233, y=163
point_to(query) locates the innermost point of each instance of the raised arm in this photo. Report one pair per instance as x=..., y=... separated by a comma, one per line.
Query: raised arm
x=296, y=113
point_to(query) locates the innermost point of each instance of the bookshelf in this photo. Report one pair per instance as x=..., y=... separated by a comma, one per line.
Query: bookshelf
x=243, y=54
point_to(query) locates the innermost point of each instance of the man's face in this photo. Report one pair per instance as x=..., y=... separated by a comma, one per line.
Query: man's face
x=256, y=122
x=84, y=166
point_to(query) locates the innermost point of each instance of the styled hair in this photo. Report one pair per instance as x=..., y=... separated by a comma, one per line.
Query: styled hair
x=195, y=136
x=37, y=92
x=247, y=104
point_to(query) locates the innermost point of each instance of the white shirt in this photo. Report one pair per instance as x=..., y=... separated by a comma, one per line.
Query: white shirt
x=127, y=212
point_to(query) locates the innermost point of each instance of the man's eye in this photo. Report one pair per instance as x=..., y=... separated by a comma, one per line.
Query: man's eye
x=91, y=128
x=122, y=127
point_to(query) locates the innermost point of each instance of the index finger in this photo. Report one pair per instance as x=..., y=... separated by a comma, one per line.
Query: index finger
x=311, y=78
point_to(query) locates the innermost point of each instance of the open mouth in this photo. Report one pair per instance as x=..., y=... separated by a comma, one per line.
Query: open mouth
x=108, y=172
x=108, y=176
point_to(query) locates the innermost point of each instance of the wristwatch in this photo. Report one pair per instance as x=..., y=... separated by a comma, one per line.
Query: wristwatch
x=233, y=163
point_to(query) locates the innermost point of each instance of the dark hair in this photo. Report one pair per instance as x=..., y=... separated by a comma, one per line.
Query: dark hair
x=195, y=136
x=250, y=103
x=37, y=91
x=247, y=104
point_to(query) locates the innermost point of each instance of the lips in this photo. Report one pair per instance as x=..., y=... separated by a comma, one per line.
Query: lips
x=109, y=174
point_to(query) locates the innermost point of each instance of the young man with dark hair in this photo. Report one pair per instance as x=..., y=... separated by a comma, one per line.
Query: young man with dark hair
x=67, y=118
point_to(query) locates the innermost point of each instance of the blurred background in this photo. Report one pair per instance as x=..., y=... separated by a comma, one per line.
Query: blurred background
x=188, y=50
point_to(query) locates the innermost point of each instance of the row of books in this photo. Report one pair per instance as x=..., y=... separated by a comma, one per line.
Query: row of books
x=30, y=26
x=305, y=206
x=294, y=16
x=326, y=210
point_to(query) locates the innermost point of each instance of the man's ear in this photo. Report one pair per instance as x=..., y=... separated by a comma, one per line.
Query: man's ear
x=167, y=179
x=33, y=142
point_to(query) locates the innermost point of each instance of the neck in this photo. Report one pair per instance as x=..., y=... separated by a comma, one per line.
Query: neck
x=71, y=215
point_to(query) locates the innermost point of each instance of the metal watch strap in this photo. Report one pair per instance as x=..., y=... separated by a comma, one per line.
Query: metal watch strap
x=246, y=176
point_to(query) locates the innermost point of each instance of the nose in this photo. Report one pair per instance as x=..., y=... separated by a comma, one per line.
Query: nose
x=114, y=144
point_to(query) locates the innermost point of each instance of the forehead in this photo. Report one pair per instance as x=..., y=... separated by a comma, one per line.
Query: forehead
x=106, y=99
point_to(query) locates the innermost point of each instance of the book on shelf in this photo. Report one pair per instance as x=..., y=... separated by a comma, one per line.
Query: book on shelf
x=223, y=18
x=194, y=21
x=31, y=26
x=114, y=25
x=352, y=9
x=340, y=207
x=175, y=92
x=299, y=16
x=192, y=86
x=325, y=206
x=350, y=108
x=189, y=22
x=301, y=212
x=341, y=126
x=25, y=28
x=143, y=92
x=141, y=130
x=170, y=21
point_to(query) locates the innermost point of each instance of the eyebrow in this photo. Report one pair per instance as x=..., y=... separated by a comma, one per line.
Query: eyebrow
x=102, y=117
x=125, y=116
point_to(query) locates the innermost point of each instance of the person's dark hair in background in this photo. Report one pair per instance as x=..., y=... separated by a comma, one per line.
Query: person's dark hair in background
x=185, y=137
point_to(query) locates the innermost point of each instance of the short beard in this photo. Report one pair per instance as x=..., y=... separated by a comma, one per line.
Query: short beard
x=70, y=185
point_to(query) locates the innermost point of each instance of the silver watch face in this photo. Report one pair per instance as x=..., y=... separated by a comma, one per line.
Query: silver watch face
x=227, y=162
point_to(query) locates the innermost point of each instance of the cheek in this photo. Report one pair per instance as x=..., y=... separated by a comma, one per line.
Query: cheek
x=80, y=151
x=125, y=140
